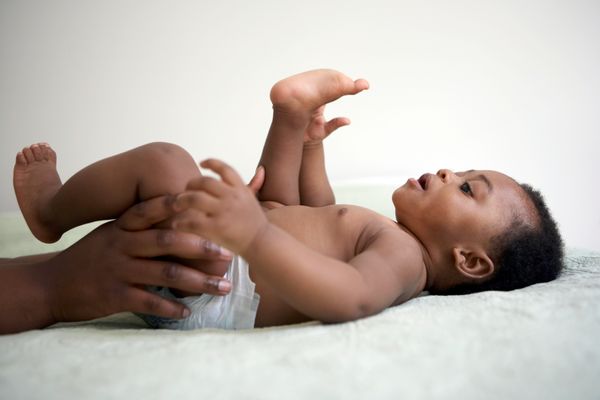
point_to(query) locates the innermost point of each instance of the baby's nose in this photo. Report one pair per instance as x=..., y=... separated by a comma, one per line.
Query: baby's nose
x=445, y=175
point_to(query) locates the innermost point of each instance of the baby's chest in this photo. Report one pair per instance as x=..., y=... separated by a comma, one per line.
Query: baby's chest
x=335, y=231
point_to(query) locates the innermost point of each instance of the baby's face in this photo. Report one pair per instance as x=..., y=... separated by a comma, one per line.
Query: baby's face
x=449, y=209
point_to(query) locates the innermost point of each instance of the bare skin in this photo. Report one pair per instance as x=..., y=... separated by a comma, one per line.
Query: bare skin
x=36, y=181
x=102, y=273
x=293, y=149
x=361, y=261
x=340, y=262
x=50, y=208
x=103, y=190
x=310, y=258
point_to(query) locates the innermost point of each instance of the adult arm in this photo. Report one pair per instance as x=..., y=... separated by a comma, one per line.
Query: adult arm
x=104, y=273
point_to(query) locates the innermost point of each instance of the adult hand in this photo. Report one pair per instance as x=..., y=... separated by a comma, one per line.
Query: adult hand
x=106, y=271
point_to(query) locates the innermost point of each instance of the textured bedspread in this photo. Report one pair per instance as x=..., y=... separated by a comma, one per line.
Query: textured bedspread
x=541, y=342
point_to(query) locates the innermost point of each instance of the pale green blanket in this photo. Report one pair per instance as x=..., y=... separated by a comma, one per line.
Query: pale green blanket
x=536, y=343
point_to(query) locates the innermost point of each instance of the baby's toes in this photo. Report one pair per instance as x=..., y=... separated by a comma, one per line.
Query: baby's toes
x=20, y=159
x=28, y=154
x=48, y=153
x=360, y=85
x=37, y=152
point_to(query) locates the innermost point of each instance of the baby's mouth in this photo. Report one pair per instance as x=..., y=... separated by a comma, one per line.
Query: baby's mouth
x=423, y=180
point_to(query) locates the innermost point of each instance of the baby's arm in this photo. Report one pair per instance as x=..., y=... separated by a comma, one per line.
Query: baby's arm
x=293, y=154
x=316, y=285
x=328, y=289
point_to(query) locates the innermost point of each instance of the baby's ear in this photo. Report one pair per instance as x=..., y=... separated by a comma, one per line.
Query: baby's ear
x=474, y=264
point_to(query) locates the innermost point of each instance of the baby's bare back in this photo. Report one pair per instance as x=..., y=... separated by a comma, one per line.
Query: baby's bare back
x=337, y=231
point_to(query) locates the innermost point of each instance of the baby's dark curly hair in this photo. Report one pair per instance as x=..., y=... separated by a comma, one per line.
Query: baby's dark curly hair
x=524, y=254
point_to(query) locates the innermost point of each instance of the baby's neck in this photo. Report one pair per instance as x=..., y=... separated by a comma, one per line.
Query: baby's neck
x=430, y=266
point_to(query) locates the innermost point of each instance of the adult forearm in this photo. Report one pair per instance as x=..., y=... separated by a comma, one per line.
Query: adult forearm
x=26, y=259
x=315, y=189
x=23, y=296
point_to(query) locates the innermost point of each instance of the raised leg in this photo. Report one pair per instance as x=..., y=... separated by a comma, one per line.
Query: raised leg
x=103, y=190
x=298, y=104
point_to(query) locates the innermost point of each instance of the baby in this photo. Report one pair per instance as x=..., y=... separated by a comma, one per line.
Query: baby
x=300, y=256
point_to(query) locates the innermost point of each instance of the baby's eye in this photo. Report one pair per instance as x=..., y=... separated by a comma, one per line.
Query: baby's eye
x=466, y=188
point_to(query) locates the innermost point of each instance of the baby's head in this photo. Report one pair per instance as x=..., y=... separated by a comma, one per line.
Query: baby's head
x=481, y=230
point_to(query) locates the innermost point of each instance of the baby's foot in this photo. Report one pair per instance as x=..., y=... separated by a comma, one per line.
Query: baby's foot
x=306, y=92
x=36, y=181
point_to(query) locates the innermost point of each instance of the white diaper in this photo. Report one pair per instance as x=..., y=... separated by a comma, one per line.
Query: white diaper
x=237, y=310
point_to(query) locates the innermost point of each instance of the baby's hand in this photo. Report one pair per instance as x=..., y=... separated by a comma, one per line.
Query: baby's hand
x=318, y=129
x=224, y=211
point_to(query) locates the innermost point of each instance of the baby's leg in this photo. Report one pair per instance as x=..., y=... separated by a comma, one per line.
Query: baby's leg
x=298, y=100
x=103, y=190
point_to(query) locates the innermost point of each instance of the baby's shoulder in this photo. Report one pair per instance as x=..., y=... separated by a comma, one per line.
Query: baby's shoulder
x=383, y=232
x=388, y=237
x=400, y=253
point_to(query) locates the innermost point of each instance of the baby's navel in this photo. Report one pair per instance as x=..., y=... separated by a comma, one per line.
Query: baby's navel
x=342, y=211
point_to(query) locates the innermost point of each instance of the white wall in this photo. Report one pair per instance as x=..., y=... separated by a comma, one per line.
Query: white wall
x=507, y=85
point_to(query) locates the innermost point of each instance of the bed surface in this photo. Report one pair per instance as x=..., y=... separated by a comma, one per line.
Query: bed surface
x=540, y=342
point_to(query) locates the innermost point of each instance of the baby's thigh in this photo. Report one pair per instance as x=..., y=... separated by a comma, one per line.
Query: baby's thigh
x=168, y=168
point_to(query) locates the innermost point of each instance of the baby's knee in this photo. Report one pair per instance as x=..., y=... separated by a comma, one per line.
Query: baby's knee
x=163, y=154
x=163, y=150
x=169, y=167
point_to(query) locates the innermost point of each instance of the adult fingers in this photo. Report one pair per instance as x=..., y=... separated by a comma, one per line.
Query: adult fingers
x=173, y=275
x=147, y=213
x=197, y=200
x=163, y=242
x=142, y=301
x=227, y=174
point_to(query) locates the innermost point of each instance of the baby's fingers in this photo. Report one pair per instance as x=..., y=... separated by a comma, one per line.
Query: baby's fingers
x=227, y=173
x=201, y=201
x=336, y=123
x=207, y=184
x=192, y=221
x=147, y=213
